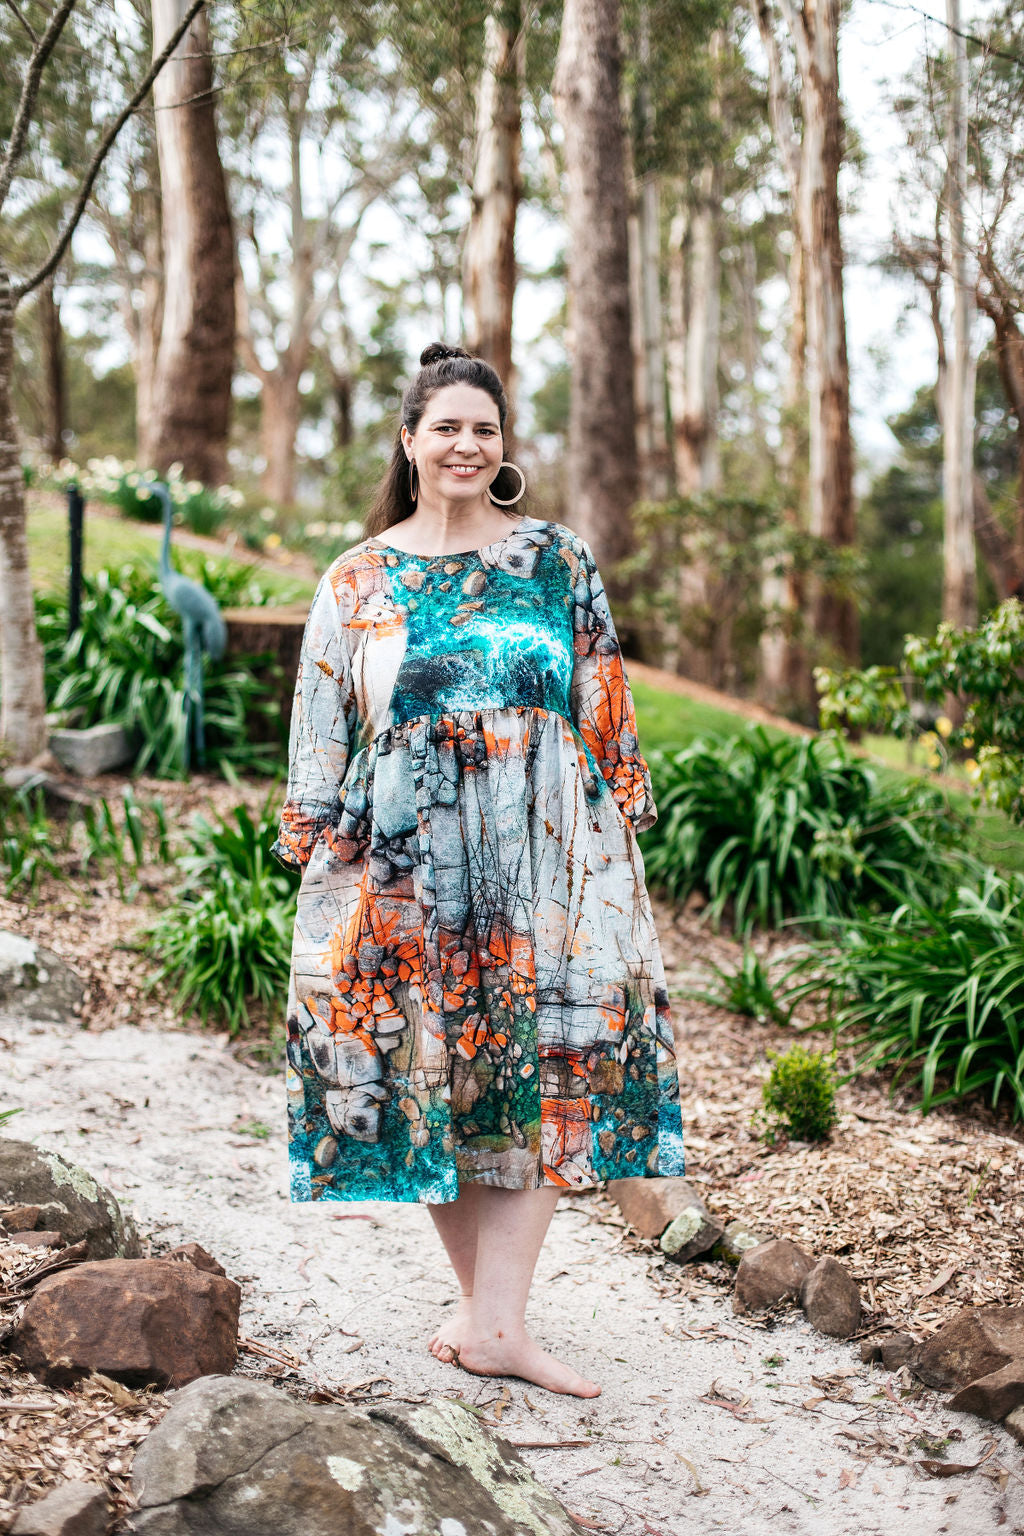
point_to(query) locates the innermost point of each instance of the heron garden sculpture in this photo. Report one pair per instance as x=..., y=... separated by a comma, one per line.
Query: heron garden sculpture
x=205, y=632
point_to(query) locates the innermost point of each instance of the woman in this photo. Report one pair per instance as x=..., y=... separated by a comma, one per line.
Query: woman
x=477, y=1016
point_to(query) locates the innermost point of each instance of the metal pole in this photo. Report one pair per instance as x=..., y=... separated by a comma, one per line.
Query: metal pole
x=76, y=508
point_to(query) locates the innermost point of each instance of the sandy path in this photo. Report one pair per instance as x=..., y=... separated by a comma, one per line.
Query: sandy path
x=153, y=1113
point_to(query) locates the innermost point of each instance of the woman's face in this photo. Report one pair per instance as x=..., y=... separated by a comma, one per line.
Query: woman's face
x=457, y=445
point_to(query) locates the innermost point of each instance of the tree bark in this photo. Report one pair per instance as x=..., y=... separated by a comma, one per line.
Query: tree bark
x=280, y=416
x=601, y=456
x=695, y=285
x=814, y=27
x=489, y=257
x=194, y=363
x=785, y=676
x=22, y=694
x=959, y=584
x=648, y=323
x=52, y=338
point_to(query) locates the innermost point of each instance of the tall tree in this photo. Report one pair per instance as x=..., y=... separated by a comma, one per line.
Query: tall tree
x=489, y=256
x=22, y=696
x=959, y=587
x=601, y=456
x=813, y=28
x=195, y=358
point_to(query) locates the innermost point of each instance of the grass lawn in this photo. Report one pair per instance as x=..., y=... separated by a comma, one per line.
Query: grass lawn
x=114, y=541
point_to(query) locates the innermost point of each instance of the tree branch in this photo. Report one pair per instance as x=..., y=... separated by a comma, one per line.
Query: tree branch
x=53, y=260
x=29, y=91
x=24, y=21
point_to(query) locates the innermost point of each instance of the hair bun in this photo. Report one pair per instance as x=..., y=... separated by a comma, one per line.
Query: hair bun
x=437, y=352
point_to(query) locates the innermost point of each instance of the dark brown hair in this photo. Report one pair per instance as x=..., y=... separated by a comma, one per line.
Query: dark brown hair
x=440, y=366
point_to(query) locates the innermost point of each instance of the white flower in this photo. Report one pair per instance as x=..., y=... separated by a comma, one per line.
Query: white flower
x=315, y=530
x=352, y=529
x=194, y=487
x=267, y=514
x=143, y=493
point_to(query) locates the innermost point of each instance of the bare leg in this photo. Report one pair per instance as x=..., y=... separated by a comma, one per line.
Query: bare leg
x=488, y=1334
x=456, y=1225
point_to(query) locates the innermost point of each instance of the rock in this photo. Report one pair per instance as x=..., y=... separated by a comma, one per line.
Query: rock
x=70, y=1201
x=239, y=1455
x=898, y=1350
x=976, y=1342
x=139, y=1321
x=831, y=1300
x=768, y=1273
x=693, y=1232
x=71, y=1509
x=95, y=749
x=738, y=1236
x=995, y=1395
x=20, y=1218
x=1014, y=1422
x=39, y=1239
x=870, y=1351
x=35, y=983
x=193, y=1253
x=669, y=1209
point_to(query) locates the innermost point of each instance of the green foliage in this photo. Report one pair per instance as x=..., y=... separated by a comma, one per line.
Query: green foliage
x=203, y=508
x=746, y=990
x=935, y=993
x=792, y=828
x=28, y=846
x=983, y=668
x=8, y=1114
x=800, y=1095
x=226, y=940
x=125, y=665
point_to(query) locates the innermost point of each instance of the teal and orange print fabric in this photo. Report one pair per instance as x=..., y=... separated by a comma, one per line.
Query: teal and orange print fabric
x=477, y=990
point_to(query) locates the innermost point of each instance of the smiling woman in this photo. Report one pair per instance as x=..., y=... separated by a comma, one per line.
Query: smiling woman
x=477, y=1016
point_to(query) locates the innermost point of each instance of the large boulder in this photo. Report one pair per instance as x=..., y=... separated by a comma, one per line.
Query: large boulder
x=141, y=1321
x=66, y=1198
x=993, y=1396
x=238, y=1456
x=35, y=983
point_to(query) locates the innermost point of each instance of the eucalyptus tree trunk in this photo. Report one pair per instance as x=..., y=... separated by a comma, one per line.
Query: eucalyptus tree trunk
x=814, y=27
x=785, y=679
x=489, y=256
x=695, y=285
x=22, y=698
x=601, y=456
x=51, y=333
x=192, y=384
x=959, y=582
x=1001, y=305
x=648, y=325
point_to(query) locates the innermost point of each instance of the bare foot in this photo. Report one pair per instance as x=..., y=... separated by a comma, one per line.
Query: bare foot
x=446, y=1341
x=516, y=1355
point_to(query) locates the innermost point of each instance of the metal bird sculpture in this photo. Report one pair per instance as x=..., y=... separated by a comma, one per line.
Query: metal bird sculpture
x=205, y=631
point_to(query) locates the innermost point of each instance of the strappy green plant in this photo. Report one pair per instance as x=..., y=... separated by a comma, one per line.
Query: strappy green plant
x=772, y=830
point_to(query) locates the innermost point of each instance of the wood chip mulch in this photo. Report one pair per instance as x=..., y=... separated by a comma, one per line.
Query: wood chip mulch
x=927, y=1211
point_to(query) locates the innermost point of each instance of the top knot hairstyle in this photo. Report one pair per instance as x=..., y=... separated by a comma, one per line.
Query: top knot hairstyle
x=440, y=366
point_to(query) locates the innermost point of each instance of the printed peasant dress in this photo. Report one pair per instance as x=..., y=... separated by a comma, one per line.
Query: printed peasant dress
x=477, y=991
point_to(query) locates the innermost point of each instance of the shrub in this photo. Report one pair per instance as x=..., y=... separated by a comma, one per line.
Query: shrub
x=800, y=1095
x=794, y=828
x=226, y=941
x=28, y=845
x=982, y=668
x=125, y=665
x=203, y=508
x=935, y=993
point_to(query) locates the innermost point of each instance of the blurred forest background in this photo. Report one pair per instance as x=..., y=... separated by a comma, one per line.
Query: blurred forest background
x=312, y=191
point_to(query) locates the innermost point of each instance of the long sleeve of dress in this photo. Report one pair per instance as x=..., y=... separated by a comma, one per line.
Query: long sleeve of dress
x=601, y=698
x=323, y=724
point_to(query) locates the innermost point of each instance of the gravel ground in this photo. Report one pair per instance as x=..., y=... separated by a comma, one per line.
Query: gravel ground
x=705, y=1424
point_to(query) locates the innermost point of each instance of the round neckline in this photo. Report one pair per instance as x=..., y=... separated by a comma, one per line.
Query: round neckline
x=451, y=554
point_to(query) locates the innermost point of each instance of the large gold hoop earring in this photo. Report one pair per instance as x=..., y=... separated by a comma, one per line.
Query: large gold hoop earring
x=507, y=464
x=414, y=482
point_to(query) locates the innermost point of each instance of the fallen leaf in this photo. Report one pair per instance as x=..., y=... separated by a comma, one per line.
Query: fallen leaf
x=948, y=1468
x=942, y=1278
